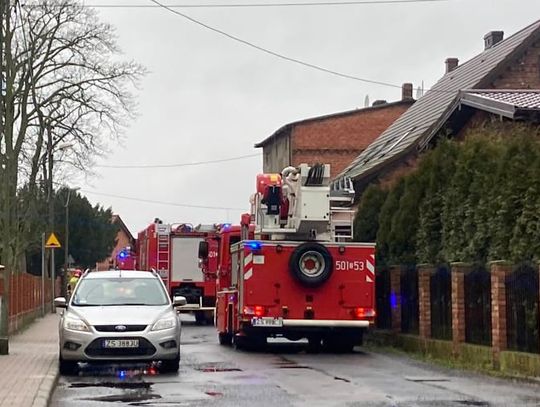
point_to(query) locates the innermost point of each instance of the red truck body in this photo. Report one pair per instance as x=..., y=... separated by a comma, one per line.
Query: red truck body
x=289, y=270
x=172, y=251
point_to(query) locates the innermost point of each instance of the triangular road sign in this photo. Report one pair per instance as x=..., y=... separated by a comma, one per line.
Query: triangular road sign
x=52, y=242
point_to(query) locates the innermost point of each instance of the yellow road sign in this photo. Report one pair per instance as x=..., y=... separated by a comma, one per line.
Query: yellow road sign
x=52, y=242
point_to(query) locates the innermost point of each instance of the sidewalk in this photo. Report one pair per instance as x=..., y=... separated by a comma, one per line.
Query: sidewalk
x=28, y=374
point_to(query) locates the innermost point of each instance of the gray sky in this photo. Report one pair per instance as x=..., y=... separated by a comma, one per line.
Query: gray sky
x=207, y=97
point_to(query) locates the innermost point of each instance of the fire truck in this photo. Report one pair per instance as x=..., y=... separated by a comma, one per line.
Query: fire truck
x=171, y=250
x=290, y=270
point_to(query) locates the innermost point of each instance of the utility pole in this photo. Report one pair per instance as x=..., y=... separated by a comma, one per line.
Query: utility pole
x=4, y=299
x=66, y=243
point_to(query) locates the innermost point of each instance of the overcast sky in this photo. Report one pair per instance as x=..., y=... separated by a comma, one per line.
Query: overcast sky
x=207, y=97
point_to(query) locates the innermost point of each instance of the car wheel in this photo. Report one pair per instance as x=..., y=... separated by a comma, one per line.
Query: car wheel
x=67, y=367
x=170, y=366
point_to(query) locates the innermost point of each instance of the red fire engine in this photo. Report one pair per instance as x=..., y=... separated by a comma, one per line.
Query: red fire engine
x=171, y=250
x=290, y=269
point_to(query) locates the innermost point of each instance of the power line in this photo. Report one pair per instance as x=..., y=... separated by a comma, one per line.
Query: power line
x=253, y=5
x=242, y=157
x=161, y=202
x=267, y=51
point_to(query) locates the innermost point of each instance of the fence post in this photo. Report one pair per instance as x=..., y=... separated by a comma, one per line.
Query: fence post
x=395, y=297
x=499, y=271
x=425, y=271
x=458, y=270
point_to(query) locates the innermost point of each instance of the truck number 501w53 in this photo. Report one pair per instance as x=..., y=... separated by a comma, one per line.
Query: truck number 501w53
x=345, y=265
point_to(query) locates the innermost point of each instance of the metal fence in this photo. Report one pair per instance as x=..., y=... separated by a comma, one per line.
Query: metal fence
x=478, y=306
x=441, y=303
x=522, y=309
x=382, y=293
x=409, y=300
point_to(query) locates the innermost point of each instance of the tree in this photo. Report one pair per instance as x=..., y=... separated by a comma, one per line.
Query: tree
x=388, y=211
x=92, y=235
x=366, y=221
x=64, y=84
x=436, y=166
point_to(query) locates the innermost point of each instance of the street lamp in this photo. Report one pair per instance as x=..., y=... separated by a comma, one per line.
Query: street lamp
x=51, y=147
x=66, y=243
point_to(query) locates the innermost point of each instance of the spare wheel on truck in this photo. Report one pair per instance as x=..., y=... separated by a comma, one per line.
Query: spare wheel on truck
x=311, y=264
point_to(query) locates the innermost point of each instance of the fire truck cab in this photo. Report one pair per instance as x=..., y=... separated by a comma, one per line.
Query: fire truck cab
x=287, y=272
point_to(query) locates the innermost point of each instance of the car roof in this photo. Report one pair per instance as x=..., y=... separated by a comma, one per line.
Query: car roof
x=120, y=274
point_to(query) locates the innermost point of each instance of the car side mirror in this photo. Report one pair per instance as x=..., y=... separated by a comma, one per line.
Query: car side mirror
x=178, y=301
x=203, y=250
x=60, y=302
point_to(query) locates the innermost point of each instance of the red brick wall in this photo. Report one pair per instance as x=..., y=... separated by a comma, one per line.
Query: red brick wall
x=522, y=74
x=338, y=140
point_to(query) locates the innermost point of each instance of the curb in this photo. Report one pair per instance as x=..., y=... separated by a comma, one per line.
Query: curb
x=46, y=388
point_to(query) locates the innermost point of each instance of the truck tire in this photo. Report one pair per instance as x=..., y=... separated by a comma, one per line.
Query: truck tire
x=225, y=338
x=311, y=264
x=249, y=343
x=341, y=344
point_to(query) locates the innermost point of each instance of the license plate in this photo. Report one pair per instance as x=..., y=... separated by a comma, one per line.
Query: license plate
x=121, y=343
x=267, y=321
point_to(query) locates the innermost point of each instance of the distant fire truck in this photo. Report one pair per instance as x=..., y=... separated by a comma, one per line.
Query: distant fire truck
x=171, y=250
x=290, y=269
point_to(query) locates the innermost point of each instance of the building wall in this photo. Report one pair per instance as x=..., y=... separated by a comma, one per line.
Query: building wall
x=122, y=240
x=340, y=139
x=276, y=154
x=524, y=73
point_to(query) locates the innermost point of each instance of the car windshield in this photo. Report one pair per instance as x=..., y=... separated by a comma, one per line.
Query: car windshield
x=119, y=291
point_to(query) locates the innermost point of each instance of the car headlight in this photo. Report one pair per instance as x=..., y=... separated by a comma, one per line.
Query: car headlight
x=75, y=324
x=164, y=323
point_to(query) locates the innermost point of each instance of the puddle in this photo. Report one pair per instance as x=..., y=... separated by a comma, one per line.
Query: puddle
x=294, y=367
x=215, y=368
x=114, y=385
x=124, y=398
x=419, y=379
x=213, y=393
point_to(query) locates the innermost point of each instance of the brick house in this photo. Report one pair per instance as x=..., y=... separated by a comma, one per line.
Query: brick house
x=123, y=238
x=334, y=139
x=506, y=65
x=501, y=84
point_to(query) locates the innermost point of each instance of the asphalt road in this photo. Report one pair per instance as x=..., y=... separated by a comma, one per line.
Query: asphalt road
x=284, y=375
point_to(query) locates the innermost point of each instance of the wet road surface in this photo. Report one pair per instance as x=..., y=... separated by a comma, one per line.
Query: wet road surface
x=284, y=375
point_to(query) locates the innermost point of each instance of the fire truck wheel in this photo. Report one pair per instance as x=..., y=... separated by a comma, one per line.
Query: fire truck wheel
x=224, y=338
x=199, y=318
x=334, y=344
x=248, y=343
x=311, y=264
x=314, y=344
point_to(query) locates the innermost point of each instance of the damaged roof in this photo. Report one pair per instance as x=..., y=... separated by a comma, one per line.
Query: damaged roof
x=419, y=123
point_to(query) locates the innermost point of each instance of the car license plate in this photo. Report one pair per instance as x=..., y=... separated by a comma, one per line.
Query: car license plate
x=267, y=321
x=121, y=343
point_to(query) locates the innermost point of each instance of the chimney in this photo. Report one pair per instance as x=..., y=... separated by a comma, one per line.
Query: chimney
x=406, y=91
x=492, y=38
x=451, y=64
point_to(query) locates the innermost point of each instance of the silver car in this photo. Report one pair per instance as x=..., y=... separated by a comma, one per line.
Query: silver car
x=119, y=316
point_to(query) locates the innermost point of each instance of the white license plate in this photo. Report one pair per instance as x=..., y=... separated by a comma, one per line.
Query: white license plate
x=267, y=321
x=121, y=343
